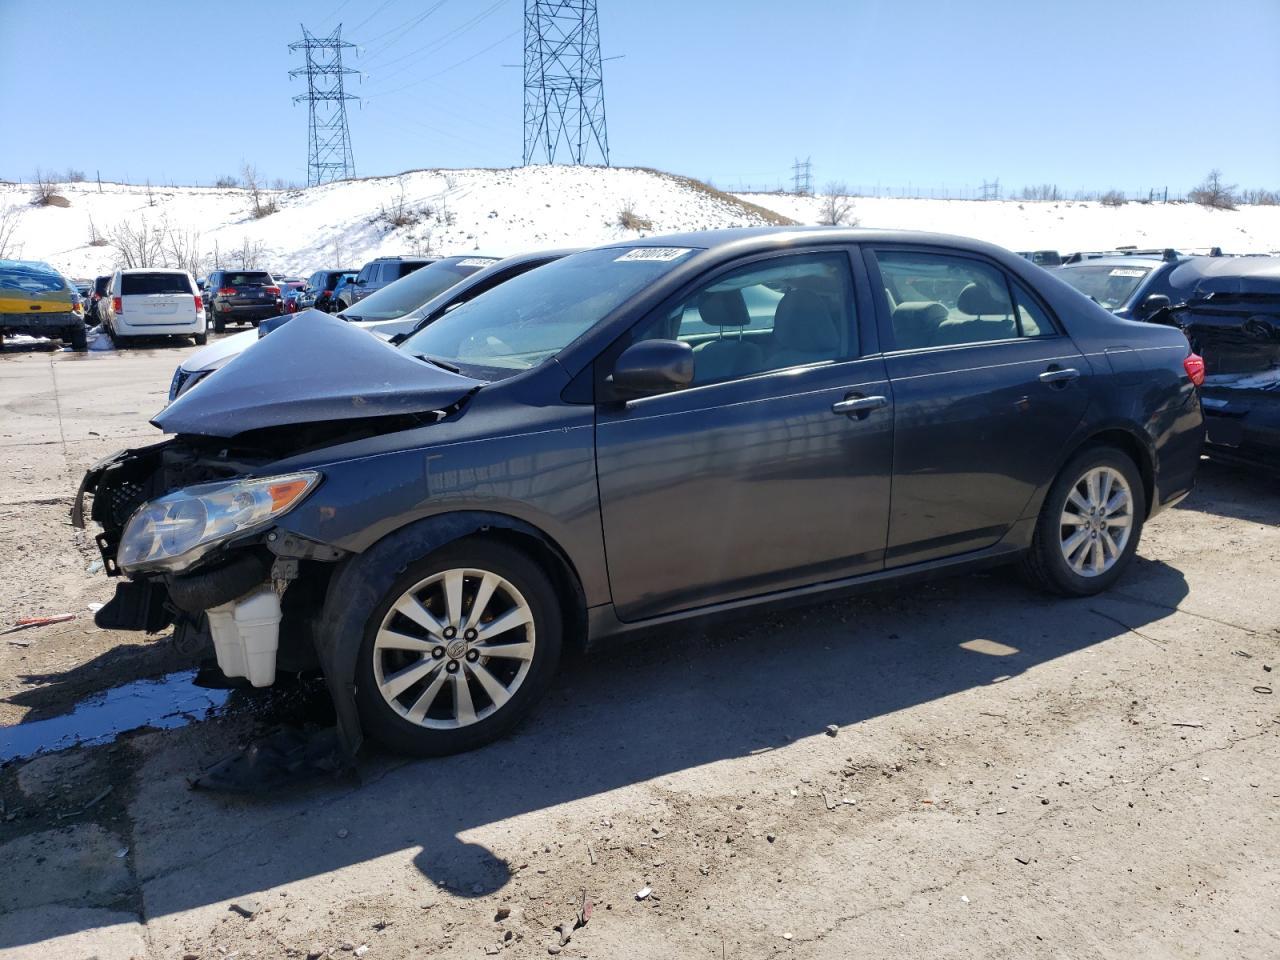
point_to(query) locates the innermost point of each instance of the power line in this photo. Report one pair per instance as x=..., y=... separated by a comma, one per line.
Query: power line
x=376, y=10
x=329, y=155
x=400, y=32
x=441, y=41
x=563, y=81
x=452, y=66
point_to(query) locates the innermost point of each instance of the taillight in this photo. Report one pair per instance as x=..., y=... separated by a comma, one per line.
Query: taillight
x=227, y=292
x=199, y=304
x=96, y=297
x=326, y=293
x=117, y=305
x=1194, y=365
x=273, y=291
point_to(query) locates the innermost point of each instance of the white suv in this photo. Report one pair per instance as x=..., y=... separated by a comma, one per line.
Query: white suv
x=153, y=302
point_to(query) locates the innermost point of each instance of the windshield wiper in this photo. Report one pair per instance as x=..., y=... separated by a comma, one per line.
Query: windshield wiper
x=442, y=364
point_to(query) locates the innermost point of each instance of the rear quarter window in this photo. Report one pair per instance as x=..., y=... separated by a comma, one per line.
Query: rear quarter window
x=134, y=284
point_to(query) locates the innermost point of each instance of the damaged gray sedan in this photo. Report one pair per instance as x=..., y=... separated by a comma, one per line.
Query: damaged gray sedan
x=633, y=436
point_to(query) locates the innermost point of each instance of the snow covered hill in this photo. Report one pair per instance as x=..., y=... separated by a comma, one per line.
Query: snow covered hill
x=1064, y=225
x=345, y=224
x=510, y=210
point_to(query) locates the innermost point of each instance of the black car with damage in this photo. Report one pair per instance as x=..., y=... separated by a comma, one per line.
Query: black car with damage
x=635, y=435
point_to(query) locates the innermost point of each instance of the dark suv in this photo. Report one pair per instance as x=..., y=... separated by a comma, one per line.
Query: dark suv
x=376, y=274
x=320, y=288
x=240, y=296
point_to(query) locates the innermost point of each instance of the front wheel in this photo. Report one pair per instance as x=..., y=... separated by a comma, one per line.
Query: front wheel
x=458, y=650
x=219, y=324
x=1089, y=526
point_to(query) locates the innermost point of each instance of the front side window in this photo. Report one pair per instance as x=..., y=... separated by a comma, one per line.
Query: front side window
x=783, y=312
x=531, y=318
x=937, y=300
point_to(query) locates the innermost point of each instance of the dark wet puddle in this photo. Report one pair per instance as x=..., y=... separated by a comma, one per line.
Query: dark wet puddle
x=162, y=703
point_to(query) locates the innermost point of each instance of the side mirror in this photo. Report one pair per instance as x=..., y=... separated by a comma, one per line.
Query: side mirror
x=1151, y=305
x=651, y=367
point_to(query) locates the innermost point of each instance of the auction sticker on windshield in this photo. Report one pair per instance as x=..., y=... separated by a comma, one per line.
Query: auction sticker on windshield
x=1127, y=272
x=476, y=262
x=653, y=254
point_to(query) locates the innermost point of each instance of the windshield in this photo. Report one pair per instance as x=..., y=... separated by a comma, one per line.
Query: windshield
x=530, y=318
x=1111, y=286
x=408, y=293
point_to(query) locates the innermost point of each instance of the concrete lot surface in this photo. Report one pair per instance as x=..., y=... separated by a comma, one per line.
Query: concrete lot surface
x=1011, y=776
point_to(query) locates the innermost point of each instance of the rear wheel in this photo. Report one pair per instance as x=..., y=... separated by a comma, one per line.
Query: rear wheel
x=458, y=649
x=201, y=339
x=1089, y=526
x=77, y=338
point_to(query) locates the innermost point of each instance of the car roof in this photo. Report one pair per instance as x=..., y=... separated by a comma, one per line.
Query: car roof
x=128, y=270
x=1117, y=261
x=745, y=240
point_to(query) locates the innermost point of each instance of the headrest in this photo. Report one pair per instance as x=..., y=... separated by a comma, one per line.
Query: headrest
x=916, y=321
x=977, y=301
x=725, y=308
x=802, y=321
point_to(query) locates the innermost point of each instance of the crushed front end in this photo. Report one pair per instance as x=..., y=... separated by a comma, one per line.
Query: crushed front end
x=189, y=527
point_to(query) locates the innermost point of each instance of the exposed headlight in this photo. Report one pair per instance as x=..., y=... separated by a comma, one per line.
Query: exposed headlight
x=184, y=379
x=174, y=531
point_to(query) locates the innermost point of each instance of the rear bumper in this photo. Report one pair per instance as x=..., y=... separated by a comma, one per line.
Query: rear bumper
x=126, y=329
x=1244, y=427
x=38, y=324
x=230, y=313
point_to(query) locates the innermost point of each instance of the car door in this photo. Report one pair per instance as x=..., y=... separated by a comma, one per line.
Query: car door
x=772, y=469
x=987, y=389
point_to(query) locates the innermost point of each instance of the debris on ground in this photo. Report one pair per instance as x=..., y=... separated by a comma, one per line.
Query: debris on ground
x=502, y=914
x=832, y=730
x=246, y=907
x=26, y=623
x=643, y=893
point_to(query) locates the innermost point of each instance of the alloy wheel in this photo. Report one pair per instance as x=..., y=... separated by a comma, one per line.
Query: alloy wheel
x=1096, y=522
x=454, y=648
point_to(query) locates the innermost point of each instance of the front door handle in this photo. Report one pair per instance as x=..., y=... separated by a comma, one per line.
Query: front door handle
x=858, y=405
x=1056, y=375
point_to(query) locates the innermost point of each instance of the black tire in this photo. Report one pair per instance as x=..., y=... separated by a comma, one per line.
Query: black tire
x=201, y=339
x=386, y=725
x=1044, y=565
x=78, y=338
x=219, y=324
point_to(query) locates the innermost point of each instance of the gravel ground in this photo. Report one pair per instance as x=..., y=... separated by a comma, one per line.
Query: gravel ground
x=1010, y=776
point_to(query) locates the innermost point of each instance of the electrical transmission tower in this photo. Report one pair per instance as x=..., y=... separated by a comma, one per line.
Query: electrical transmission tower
x=563, y=81
x=802, y=177
x=328, y=139
x=991, y=189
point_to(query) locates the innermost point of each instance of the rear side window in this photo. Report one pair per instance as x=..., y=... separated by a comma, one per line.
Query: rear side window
x=404, y=269
x=134, y=284
x=937, y=300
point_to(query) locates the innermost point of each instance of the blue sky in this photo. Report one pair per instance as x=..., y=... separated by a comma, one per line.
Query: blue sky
x=1084, y=94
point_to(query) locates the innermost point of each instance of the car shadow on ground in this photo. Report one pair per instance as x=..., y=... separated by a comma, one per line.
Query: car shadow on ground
x=1233, y=491
x=666, y=704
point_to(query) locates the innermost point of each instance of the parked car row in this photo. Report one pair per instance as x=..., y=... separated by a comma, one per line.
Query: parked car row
x=572, y=448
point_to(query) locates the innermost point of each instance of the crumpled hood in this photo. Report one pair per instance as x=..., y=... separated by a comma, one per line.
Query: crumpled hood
x=321, y=370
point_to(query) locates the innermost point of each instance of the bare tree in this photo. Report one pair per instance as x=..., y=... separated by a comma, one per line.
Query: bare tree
x=1043, y=191
x=95, y=238
x=1113, y=198
x=151, y=197
x=9, y=219
x=262, y=206
x=138, y=244
x=43, y=189
x=181, y=250
x=249, y=255
x=837, y=208
x=1213, y=193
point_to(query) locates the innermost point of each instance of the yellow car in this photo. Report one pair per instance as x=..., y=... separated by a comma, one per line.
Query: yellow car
x=37, y=300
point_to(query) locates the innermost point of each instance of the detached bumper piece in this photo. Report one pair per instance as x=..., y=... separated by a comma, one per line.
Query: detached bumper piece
x=137, y=605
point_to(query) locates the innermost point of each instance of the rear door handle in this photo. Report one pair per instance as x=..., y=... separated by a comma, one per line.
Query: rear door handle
x=1059, y=376
x=859, y=405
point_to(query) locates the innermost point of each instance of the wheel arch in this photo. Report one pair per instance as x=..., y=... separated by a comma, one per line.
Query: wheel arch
x=1123, y=437
x=354, y=587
